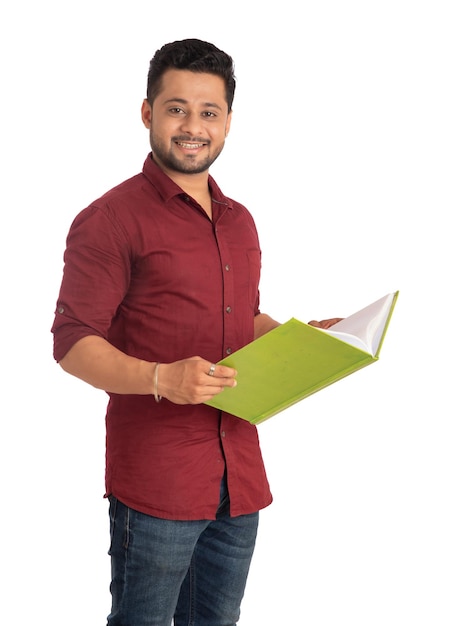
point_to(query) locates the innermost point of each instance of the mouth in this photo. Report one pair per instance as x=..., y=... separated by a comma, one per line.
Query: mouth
x=189, y=145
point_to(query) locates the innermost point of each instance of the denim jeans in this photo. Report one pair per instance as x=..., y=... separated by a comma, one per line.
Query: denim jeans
x=191, y=572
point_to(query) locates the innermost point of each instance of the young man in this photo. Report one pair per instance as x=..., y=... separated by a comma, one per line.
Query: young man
x=160, y=282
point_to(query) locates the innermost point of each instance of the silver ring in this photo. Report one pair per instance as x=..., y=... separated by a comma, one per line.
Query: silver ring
x=211, y=370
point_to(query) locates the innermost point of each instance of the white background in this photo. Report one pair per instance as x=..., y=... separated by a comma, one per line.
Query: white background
x=348, y=145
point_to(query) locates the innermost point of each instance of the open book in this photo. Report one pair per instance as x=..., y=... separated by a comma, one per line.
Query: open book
x=295, y=360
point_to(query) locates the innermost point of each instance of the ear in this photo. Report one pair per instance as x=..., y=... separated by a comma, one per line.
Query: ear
x=146, y=113
x=227, y=124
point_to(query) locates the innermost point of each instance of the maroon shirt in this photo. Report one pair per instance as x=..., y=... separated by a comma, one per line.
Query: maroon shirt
x=147, y=270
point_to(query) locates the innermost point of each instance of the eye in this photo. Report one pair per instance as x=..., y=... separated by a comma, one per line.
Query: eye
x=209, y=114
x=176, y=110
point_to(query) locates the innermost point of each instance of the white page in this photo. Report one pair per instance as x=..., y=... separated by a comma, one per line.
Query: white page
x=364, y=329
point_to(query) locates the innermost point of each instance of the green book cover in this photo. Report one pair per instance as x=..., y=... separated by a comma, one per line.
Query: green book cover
x=296, y=360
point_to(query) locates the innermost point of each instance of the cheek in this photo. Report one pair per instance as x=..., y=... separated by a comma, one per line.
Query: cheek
x=218, y=136
x=161, y=136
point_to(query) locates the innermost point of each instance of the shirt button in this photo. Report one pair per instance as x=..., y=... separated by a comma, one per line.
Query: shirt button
x=223, y=433
x=61, y=309
x=229, y=309
x=227, y=268
x=228, y=351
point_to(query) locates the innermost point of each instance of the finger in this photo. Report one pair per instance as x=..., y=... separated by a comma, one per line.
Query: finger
x=212, y=369
x=217, y=386
x=331, y=322
x=221, y=371
x=325, y=323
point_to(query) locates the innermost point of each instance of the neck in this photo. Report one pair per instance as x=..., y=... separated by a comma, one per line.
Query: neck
x=195, y=185
x=192, y=184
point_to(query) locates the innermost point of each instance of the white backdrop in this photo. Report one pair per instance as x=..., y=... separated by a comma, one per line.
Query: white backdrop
x=348, y=144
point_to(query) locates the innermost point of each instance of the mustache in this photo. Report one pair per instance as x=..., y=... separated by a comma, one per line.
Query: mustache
x=188, y=139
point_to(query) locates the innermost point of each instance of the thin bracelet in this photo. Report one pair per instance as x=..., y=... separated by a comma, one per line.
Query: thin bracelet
x=157, y=397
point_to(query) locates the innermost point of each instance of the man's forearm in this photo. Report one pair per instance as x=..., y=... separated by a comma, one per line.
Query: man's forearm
x=103, y=366
x=263, y=324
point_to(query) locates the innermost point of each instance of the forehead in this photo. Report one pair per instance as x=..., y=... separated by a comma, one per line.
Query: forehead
x=194, y=87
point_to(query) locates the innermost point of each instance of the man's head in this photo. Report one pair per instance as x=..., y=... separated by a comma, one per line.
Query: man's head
x=193, y=55
x=188, y=108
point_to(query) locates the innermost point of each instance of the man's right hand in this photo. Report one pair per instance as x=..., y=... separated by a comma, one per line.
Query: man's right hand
x=193, y=380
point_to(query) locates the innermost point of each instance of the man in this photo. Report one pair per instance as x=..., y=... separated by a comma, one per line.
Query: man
x=160, y=282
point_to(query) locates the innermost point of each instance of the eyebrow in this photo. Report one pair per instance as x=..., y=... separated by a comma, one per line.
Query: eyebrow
x=183, y=101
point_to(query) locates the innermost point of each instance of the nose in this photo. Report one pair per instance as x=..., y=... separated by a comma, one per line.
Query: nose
x=192, y=124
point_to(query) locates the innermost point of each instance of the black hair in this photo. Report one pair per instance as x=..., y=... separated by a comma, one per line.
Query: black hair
x=193, y=55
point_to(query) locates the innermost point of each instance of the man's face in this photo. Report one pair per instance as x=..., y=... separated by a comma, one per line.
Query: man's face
x=188, y=121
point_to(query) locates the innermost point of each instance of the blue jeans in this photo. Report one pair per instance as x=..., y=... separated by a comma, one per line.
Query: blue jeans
x=193, y=572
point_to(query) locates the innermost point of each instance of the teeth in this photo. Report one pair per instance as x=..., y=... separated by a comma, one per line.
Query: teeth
x=190, y=146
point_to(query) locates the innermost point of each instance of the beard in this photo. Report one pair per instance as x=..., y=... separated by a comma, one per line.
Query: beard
x=186, y=164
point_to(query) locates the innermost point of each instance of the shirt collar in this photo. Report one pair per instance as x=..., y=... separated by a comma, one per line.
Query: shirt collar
x=169, y=189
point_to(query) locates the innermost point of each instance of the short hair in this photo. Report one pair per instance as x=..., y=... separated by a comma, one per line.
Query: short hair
x=193, y=55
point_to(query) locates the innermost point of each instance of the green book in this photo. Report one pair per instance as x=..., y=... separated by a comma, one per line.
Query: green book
x=296, y=360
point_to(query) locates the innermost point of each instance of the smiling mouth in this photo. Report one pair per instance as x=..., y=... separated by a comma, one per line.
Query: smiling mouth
x=189, y=146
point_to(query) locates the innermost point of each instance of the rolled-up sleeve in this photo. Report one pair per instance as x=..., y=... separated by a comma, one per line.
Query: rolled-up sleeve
x=97, y=269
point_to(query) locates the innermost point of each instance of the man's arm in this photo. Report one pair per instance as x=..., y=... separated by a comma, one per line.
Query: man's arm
x=97, y=362
x=263, y=323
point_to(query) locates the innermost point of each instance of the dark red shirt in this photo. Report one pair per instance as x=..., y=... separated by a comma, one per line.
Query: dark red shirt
x=146, y=269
